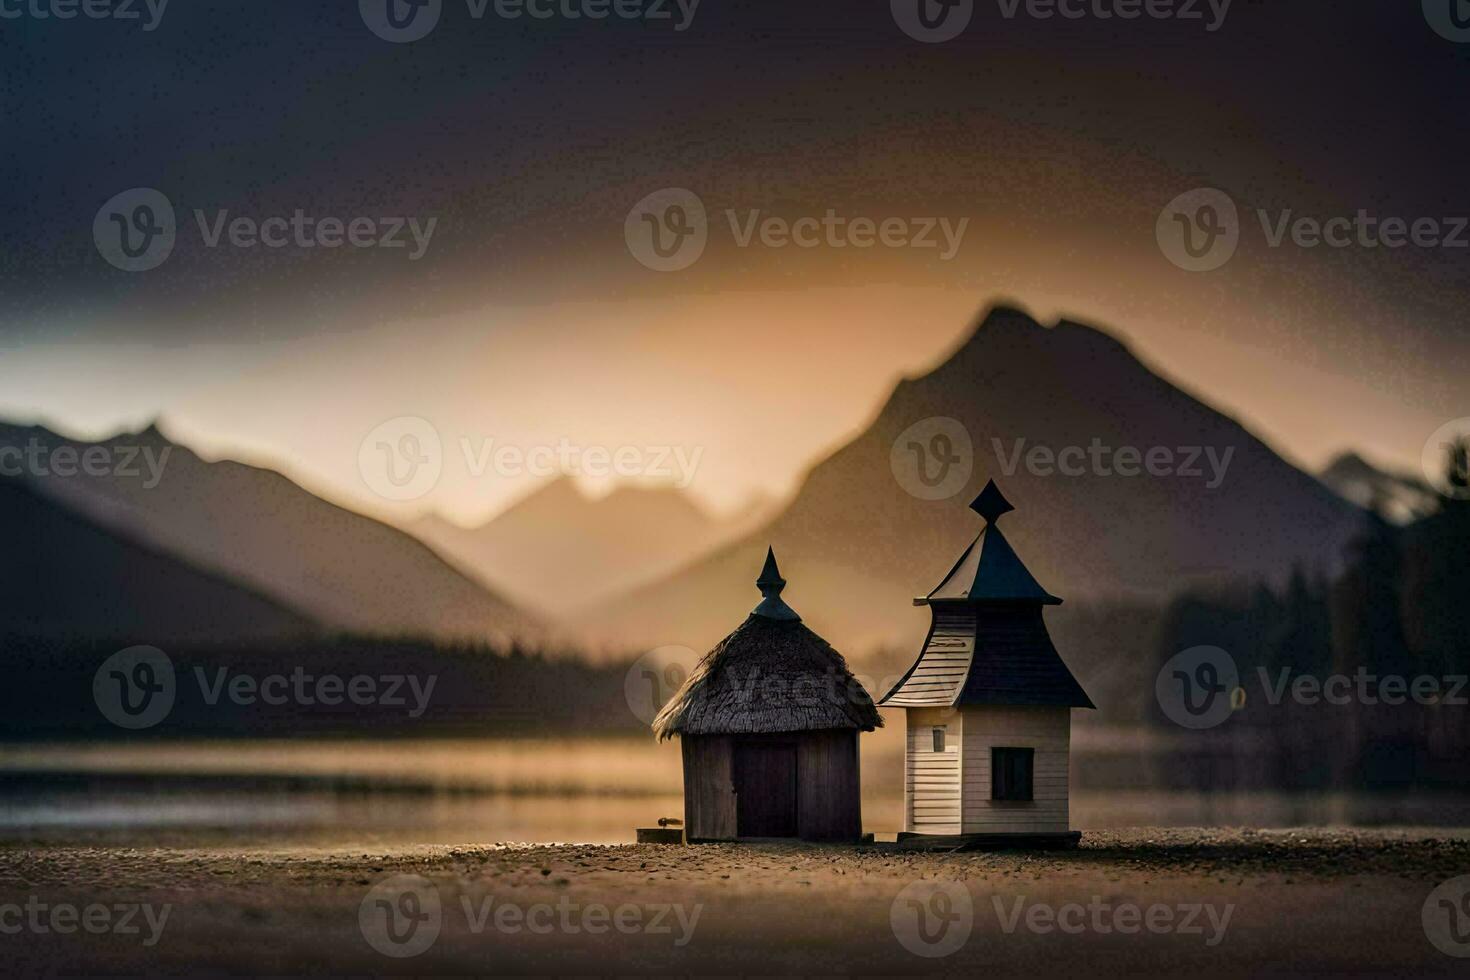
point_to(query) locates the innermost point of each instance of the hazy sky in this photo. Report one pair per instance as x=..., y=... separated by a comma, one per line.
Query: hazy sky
x=527, y=319
x=750, y=387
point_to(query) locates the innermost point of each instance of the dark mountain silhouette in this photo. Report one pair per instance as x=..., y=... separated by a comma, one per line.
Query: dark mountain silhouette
x=1400, y=497
x=559, y=551
x=258, y=528
x=856, y=545
x=476, y=689
x=65, y=576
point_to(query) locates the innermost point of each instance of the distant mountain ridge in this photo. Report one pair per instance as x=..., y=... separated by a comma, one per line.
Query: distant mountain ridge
x=66, y=576
x=254, y=527
x=856, y=545
x=559, y=551
x=1402, y=498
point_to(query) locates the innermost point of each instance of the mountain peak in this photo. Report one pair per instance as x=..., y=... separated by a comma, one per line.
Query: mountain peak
x=1067, y=418
x=256, y=529
x=1401, y=497
x=1079, y=332
x=558, y=547
x=1005, y=325
x=631, y=497
x=1348, y=462
x=1003, y=316
x=1002, y=322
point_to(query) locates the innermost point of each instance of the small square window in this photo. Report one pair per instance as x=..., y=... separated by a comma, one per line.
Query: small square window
x=1010, y=773
x=939, y=740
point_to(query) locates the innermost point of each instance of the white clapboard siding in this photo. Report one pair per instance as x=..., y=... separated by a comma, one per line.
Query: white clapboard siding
x=931, y=793
x=1045, y=730
x=943, y=664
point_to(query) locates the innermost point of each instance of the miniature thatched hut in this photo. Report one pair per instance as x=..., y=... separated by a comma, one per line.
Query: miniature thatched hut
x=768, y=722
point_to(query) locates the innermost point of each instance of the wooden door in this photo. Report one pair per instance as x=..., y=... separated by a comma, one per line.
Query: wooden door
x=765, y=788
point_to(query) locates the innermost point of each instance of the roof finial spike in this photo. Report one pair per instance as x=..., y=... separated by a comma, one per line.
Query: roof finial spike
x=772, y=606
x=770, y=583
x=991, y=503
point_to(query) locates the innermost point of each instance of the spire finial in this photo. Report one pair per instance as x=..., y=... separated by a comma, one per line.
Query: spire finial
x=770, y=583
x=991, y=503
x=772, y=606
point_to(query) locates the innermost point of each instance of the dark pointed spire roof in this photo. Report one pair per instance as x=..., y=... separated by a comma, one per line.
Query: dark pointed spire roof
x=990, y=570
x=988, y=642
x=772, y=606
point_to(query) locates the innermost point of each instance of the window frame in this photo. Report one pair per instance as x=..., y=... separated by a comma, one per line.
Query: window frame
x=1012, y=774
x=940, y=735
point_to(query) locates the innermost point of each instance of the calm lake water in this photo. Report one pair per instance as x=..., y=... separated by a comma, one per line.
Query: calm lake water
x=462, y=791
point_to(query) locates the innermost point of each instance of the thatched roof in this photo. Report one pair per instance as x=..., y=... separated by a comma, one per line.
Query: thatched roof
x=770, y=675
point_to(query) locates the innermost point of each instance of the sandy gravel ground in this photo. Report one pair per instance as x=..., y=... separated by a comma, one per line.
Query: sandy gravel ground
x=1157, y=902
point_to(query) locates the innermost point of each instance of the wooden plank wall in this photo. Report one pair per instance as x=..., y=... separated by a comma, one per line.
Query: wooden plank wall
x=709, y=787
x=1045, y=729
x=943, y=663
x=931, y=790
x=829, y=789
